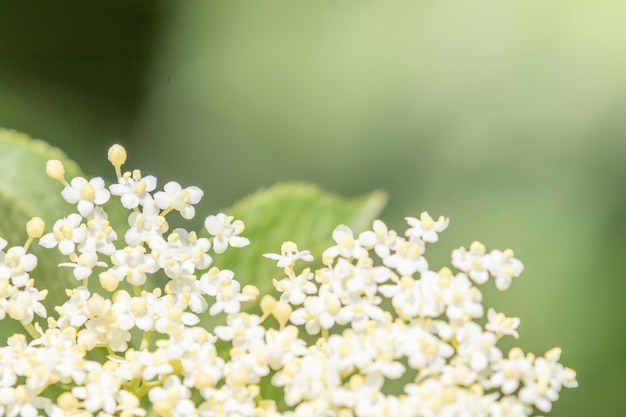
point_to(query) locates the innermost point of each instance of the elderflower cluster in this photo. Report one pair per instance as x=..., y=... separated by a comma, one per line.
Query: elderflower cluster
x=129, y=339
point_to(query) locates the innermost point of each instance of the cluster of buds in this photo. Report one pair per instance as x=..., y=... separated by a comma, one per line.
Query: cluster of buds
x=373, y=332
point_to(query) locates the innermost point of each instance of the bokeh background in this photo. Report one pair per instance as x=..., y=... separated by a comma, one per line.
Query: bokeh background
x=508, y=117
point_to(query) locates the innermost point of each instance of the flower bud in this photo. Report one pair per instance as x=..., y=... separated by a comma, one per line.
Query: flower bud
x=117, y=155
x=35, y=227
x=96, y=305
x=67, y=401
x=238, y=376
x=553, y=354
x=17, y=308
x=251, y=291
x=162, y=406
x=282, y=312
x=55, y=170
x=268, y=304
x=87, y=340
x=108, y=281
x=203, y=380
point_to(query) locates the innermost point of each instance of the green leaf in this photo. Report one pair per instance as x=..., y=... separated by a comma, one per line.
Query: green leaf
x=26, y=192
x=302, y=213
x=24, y=182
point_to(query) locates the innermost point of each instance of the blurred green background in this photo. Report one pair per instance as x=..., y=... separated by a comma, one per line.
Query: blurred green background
x=508, y=117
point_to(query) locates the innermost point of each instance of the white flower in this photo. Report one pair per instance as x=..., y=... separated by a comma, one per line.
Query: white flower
x=182, y=253
x=289, y=254
x=145, y=226
x=385, y=405
x=21, y=401
x=347, y=246
x=413, y=298
x=16, y=265
x=104, y=326
x=312, y=377
x=358, y=390
x=55, y=355
x=501, y=324
x=74, y=311
x=333, y=278
x=379, y=350
x=432, y=390
x=24, y=304
x=229, y=401
x=243, y=330
x=425, y=351
x=462, y=300
x=226, y=232
x=172, y=399
x=282, y=346
x=99, y=234
x=539, y=388
x=171, y=317
x=210, y=282
x=3, y=305
x=358, y=313
x=86, y=194
x=363, y=279
x=425, y=228
x=84, y=264
x=66, y=233
x=133, y=188
x=228, y=299
x=473, y=262
x=295, y=289
x=510, y=371
x=203, y=369
x=129, y=404
x=244, y=368
x=135, y=311
x=380, y=238
x=155, y=364
x=99, y=391
x=408, y=258
x=508, y=407
x=504, y=267
x=174, y=197
x=318, y=312
x=477, y=348
x=544, y=381
x=132, y=264
x=188, y=292
x=426, y=331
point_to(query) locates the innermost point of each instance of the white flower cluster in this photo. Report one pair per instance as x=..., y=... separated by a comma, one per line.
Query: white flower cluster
x=329, y=344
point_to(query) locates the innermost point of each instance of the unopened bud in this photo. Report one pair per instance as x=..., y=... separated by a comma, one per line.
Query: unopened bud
x=35, y=227
x=203, y=380
x=67, y=401
x=268, y=304
x=238, y=376
x=282, y=312
x=117, y=155
x=252, y=291
x=55, y=170
x=17, y=308
x=553, y=354
x=108, y=281
x=96, y=305
x=87, y=340
x=162, y=406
